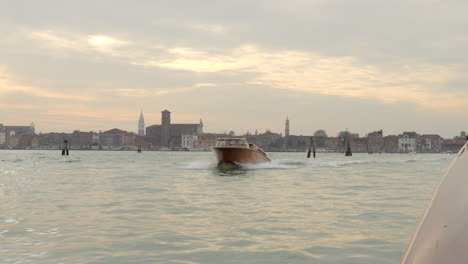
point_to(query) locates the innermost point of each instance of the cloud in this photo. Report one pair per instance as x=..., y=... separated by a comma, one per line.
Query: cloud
x=9, y=85
x=417, y=83
x=78, y=42
x=140, y=93
x=345, y=76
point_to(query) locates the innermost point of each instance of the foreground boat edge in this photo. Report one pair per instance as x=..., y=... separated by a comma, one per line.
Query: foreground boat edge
x=441, y=236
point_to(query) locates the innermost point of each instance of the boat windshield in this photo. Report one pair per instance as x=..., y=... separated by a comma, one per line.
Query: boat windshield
x=231, y=142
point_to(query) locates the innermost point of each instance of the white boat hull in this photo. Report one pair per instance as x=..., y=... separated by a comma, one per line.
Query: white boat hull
x=442, y=235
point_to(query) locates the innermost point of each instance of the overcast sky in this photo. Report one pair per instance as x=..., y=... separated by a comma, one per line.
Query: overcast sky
x=239, y=65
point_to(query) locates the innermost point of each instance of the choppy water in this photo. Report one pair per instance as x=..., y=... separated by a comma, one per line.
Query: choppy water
x=177, y=207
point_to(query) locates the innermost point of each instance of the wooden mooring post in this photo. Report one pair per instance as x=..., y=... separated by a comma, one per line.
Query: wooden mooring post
x=65, y=147
x=348, y=152
x=311, y=148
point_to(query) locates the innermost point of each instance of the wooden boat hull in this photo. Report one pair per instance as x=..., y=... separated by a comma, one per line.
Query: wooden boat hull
x=238, y=155
x=442, y=235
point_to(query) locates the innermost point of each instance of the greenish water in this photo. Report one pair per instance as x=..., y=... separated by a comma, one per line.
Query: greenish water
x=177, y=207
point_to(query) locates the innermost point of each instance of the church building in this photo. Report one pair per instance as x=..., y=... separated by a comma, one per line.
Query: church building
x=170, y=135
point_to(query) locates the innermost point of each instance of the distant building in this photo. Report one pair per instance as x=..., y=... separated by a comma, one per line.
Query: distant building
x=452, y=145
x=268, y=141
x=141, y=125
x=5, y=136
x=359, y=145
x=116, y=138
x=407, y=142
x=170, y=135
x=95, y=139
x=297, y=143
x=430, y=144
x=20, y=129
x=81, y=140
x=391, y=144
x=53, y=140
x=189, y=141
x=375, y=142
x=208, y=140
x=462, y=136
x=333, y=143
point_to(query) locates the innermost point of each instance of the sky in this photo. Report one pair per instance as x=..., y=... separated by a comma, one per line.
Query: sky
x=361, y=65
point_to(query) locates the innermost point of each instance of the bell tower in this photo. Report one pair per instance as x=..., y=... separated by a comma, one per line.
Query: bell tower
x=141, y=125
x=165, y=128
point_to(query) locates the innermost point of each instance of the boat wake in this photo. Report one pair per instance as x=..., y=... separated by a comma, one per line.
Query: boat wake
x=288, y=164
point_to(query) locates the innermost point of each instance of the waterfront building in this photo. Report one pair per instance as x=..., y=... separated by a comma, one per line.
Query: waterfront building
x=141, y=125
x=391, y=144
x=189, y=141
x=407, y=142
x=116, y=138
x=5, y=136
x=268, y=141
x=296, y=143
x=53, y=140
x=170, y=135
x=359, y=145
x=430, y=144
x=452, y=145
x=95, y=139
x=81, y=140
x=20, y=129
x=375, y=142
x=333, y=144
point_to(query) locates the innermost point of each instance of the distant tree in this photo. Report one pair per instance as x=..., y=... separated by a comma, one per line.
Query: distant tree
x=320, y=137
x=320, y=133
x=343, y=134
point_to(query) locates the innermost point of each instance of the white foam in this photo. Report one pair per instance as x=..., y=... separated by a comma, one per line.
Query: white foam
x=268, y=165
x=200, y=165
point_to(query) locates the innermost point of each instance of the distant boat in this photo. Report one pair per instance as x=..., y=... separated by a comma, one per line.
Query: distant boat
x=442, y=235
x=238, y=151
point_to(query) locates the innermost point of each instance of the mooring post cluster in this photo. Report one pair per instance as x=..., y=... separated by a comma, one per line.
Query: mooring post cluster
x=65, y=147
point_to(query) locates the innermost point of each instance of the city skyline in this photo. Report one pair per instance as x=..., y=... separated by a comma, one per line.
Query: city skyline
x=363, y=65
x=141, y=127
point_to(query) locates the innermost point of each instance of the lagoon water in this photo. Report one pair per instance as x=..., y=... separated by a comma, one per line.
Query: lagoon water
x=177, y=207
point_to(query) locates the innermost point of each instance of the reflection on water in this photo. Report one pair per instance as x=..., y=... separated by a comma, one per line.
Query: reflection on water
x=178, y=207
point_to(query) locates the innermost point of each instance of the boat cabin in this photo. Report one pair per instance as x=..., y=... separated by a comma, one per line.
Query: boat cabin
x=232, y=142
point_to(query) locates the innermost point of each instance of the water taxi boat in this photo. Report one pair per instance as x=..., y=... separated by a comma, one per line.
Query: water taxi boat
x=238, y=151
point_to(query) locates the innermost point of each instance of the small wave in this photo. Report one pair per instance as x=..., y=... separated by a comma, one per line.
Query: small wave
x=69, y=160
